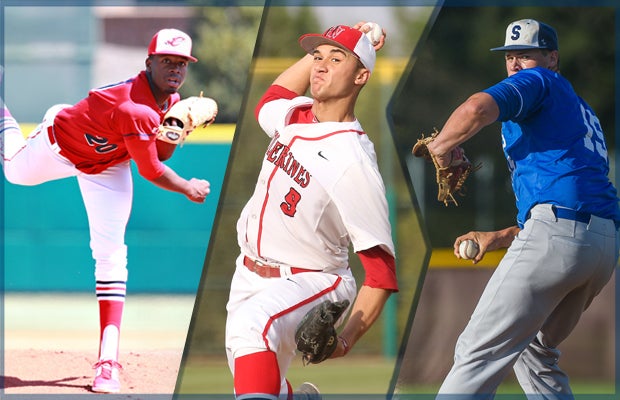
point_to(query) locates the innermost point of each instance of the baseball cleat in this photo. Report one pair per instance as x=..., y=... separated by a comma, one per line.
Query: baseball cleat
x=106, y=377
x=307, y=391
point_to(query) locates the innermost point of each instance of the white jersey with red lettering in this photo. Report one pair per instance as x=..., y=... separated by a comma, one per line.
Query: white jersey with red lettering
x=318, y=191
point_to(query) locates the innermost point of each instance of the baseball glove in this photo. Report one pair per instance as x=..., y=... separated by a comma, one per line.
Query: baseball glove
x=316, y=336
x=449, y=179
x=185, y=116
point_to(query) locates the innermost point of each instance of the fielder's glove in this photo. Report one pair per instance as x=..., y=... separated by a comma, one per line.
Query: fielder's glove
x=185, y=116
x=316, y=336
x=449, y=179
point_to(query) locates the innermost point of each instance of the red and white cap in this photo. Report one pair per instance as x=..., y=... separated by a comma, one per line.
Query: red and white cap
x=173, y=42
x=346, y=38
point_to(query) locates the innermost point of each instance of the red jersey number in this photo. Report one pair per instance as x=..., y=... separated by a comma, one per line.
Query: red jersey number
x=289, y=205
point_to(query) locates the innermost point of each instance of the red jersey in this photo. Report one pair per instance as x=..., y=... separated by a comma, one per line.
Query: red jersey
x=113, y=124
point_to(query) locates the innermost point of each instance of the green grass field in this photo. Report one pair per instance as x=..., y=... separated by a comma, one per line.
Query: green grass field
x=368, y=376
x=352, y=374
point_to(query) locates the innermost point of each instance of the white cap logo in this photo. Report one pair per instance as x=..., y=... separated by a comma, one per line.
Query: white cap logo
x=172, y=42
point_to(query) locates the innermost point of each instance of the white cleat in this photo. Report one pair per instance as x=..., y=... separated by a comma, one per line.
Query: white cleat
x=307, y=391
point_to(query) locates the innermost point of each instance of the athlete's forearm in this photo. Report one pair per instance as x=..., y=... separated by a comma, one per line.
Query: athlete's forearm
x=468, y=119
x=171, y=181
x=506, y=236
x=366, y=309
x=296, y=77
x=195, y=189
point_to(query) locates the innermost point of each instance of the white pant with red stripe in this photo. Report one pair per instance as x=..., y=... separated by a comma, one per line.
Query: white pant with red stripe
x=264, y=312
x=107, y=196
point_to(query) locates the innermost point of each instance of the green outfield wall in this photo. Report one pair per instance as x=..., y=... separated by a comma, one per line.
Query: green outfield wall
x=46, y=241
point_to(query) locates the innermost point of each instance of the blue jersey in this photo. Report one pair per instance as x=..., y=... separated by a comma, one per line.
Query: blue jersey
x=554, y=145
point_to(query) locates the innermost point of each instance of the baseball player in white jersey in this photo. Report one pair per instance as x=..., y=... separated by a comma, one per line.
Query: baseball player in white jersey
x=319, y=190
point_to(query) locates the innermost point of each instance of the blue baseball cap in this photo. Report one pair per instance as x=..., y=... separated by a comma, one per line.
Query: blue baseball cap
x=526, y=34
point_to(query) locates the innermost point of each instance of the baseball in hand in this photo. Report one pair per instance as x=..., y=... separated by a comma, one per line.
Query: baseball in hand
x=374, y=32
x=468, y=249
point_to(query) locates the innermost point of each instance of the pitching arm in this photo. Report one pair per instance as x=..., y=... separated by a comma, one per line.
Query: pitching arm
x=488, y=241
x=194, y=189
x=296, y=78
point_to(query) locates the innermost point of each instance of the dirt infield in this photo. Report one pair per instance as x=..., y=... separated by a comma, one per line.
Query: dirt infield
x=70, y=372
x=51, y=343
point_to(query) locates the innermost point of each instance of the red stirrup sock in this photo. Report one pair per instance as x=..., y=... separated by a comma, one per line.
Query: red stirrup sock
x=257, y=373
x=111, y=297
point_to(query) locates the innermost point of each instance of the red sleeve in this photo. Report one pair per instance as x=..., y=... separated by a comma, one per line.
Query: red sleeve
x=146, y=158
x=275, y=92
x=142, y=122
x=380, y=268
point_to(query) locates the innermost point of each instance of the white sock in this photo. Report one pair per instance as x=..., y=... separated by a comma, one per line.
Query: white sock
x=109, y=343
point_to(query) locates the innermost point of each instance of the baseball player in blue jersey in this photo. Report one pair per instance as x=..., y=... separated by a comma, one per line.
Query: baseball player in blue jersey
x=564, y=248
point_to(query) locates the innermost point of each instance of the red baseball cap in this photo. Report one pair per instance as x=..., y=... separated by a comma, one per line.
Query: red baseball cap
x=346, y=38
x=173, y=42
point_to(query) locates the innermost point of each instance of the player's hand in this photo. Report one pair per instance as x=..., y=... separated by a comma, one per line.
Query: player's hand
x=379, y=45
x=199, y=190
x=487, y=241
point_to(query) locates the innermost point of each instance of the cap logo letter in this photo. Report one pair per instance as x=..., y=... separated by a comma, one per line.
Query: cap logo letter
x=516, y=32
x=333, y=33
x=175, y=41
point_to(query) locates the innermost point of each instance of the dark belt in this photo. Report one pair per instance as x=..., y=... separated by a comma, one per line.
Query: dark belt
x=270, y=271
x=567, y=213
x=579, y=216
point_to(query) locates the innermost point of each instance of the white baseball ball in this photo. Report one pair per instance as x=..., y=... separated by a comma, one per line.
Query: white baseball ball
x=468, y=249
x=374, y=32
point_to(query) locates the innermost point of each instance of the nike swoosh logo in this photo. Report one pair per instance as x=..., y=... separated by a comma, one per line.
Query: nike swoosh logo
x=290, y=280
x=322, y=156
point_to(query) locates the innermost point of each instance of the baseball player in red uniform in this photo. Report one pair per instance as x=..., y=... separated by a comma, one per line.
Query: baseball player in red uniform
x=319, y=191
x=94, y=140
